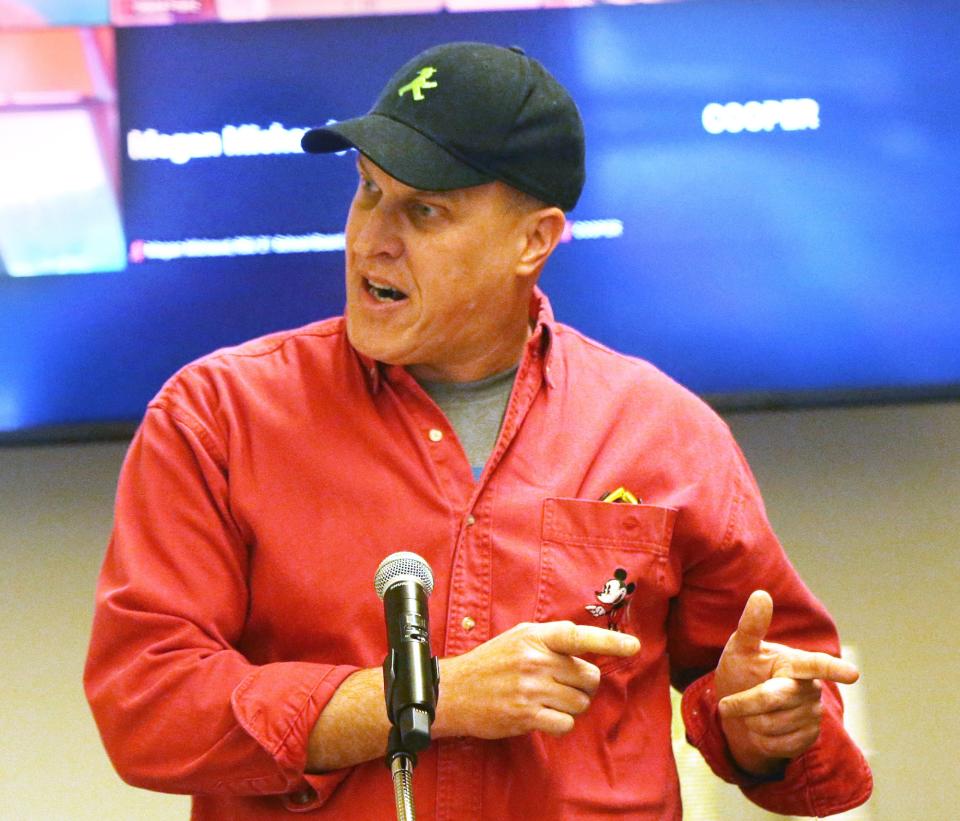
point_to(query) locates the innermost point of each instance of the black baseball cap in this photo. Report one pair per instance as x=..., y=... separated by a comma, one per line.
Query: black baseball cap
x=464, y=114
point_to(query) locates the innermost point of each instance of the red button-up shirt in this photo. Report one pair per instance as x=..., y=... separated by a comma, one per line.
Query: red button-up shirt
x=267, y=482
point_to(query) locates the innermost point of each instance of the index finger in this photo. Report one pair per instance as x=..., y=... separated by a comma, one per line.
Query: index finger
x=573, y=639
x=802, y=664
x=769, y=696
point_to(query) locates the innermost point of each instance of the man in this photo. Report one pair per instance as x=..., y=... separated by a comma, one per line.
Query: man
x=237, y=642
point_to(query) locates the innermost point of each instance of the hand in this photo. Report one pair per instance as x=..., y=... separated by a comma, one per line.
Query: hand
x=528, y=678
x=770, y=694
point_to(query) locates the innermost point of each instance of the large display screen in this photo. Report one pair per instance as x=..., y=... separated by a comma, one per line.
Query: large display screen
x=771, y=210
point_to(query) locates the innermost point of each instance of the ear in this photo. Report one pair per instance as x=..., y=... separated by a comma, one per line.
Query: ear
x=630, y=588
x=620, y=574
x=543, y=229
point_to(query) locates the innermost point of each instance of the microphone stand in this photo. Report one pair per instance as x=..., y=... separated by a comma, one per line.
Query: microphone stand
x=401, y=763
x=409, y=734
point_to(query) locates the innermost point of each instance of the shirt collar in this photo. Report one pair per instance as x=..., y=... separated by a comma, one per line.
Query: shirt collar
x=539, y=344
x=371, y=367
x=542, y=339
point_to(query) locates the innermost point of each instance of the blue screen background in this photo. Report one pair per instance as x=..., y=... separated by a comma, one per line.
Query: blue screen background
x=751, y=263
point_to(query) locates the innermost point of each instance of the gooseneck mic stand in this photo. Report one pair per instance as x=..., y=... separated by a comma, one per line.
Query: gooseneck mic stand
x=411, y=676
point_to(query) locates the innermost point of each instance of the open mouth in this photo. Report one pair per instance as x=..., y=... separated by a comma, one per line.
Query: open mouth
x=382, y=292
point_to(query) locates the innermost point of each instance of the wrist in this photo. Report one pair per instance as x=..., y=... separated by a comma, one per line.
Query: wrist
x=448, y=720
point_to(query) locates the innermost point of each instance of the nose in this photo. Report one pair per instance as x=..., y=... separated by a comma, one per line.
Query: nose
x=375, y=232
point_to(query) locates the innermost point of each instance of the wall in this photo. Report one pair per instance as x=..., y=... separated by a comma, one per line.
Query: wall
x=56, y=509
x=866, y=500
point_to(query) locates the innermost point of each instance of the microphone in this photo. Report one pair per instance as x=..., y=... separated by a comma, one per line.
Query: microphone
x=411, y=676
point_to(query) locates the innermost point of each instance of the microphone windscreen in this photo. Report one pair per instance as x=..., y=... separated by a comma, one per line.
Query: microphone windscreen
x=401, y=566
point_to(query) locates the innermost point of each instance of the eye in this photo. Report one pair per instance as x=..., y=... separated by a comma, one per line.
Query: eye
x=422, y=210
x=368, y=186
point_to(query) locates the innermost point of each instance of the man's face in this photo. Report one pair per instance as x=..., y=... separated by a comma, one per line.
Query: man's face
x=431, y=277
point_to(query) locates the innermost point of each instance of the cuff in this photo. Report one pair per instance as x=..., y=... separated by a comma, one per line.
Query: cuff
x=831, y=777
x=701, y=718
x=278, y=706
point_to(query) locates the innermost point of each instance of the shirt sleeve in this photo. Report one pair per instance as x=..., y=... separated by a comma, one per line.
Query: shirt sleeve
x=720, y=574
x=179, y=707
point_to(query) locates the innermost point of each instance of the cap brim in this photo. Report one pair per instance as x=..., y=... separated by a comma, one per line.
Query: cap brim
x=403, y=152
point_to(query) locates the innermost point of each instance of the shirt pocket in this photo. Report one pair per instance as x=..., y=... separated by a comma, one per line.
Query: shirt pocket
x=603, y=564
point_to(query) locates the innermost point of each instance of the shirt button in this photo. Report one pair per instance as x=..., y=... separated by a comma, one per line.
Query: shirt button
x=468, y=624
x=471, y=521
x=435, y=435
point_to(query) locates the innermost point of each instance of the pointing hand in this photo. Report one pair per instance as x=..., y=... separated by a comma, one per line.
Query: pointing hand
x=770, y=694
x=529, y=678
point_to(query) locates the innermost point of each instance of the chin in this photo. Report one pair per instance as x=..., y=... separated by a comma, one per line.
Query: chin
x=371, y=344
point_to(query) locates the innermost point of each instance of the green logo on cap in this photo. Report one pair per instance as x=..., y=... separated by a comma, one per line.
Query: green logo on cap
x=419, y=83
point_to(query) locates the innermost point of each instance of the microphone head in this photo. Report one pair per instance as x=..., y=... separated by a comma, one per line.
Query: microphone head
x=400, y=567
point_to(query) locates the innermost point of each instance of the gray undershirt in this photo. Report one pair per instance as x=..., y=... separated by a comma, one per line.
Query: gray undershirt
x=475, y=410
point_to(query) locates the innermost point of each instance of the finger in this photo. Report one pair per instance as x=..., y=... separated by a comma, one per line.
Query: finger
x=801, y=664
x=785, y=722
x=788, y=745
x=565, y=699
x=754, y=621
x=573, y=639
x=553, y=722
x=769, y=696
x=575, y=672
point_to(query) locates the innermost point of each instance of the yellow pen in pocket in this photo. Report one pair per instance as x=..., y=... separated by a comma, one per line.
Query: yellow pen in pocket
x=621, y=495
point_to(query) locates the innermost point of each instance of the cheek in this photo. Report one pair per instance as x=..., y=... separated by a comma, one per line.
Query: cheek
x=459, y=273
x=350, y=232
x=356, y=238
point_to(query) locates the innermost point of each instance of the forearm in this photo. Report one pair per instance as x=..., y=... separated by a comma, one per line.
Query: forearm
x=528, y=678
x=353, y=727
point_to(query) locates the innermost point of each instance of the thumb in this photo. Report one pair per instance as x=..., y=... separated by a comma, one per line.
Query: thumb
x=754, y=621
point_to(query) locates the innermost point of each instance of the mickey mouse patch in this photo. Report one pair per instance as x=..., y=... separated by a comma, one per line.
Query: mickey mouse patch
x=614, y=600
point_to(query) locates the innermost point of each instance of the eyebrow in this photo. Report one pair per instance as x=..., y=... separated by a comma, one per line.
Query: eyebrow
x=454, y=194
